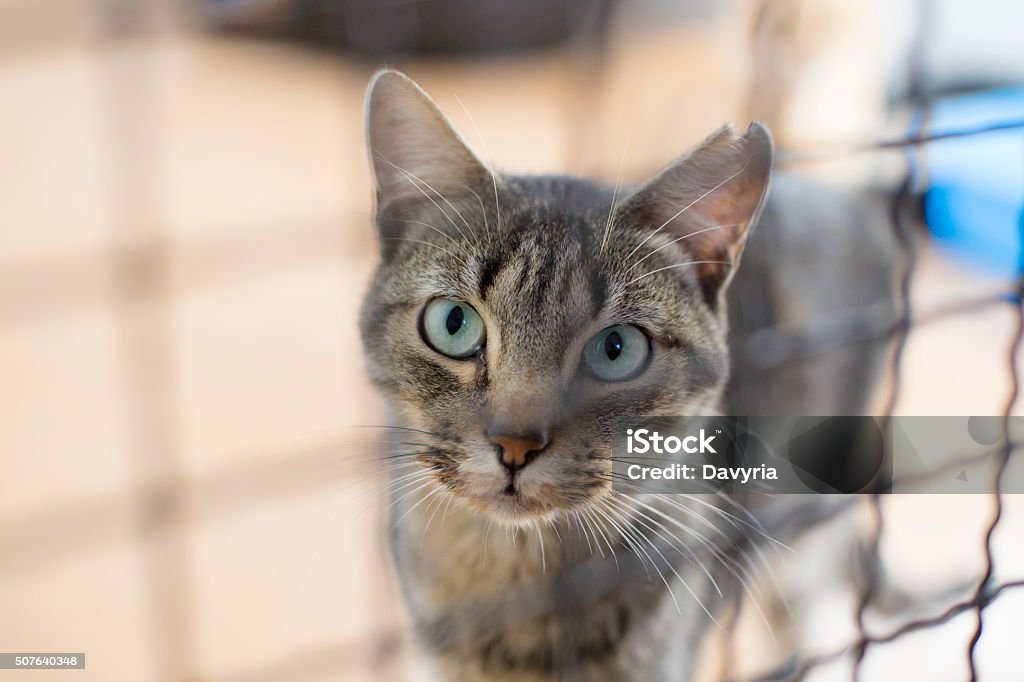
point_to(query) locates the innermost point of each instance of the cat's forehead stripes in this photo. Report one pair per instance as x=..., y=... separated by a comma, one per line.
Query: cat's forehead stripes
x=540, y=294
x=489, y=269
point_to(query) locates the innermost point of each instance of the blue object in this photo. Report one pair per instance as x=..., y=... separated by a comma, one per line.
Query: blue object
x=974, y=204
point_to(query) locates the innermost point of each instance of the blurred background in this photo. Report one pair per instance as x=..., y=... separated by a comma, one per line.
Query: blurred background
x=185, y=239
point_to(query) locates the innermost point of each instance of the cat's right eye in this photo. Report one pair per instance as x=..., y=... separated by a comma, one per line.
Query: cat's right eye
x=617, y=353
x=452, y=328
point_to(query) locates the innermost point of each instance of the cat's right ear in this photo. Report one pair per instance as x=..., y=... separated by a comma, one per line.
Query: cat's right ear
x=415, y=154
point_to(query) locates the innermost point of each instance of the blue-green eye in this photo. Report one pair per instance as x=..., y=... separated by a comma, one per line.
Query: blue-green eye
x=452, y=328
x=617, y=353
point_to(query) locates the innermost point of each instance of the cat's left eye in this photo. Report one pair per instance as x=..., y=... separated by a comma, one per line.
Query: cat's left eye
x=617, y=353
x=452, y=328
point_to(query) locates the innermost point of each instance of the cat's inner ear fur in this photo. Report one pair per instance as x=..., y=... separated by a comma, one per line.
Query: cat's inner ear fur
x=710, y=197
x=415, y=153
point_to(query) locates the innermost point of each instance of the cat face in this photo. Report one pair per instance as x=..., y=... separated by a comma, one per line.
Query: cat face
x=513, y=318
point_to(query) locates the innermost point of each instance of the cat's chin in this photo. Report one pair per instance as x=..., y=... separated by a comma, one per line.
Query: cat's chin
x=515, y=509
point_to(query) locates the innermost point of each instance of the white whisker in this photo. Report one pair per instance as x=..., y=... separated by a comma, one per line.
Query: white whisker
x=677, y=265
x=413, y=507
x=413, y=179
x=554, y=526
x=671, y=566
x=727, y=562
x=679, y=239
x=588, y=516
x=583, y=531
x=393, y=486
x=688, y=554
x=417, y=241
x=436, y=504
x=615, y=194
x=426, y=224
x=627, y=531
x=543, y=557
x=629, y=542
x=395, y=503
x=447, y=508
x=686, y=208
x=393, y=428
x=487, y=158
x=483, y=211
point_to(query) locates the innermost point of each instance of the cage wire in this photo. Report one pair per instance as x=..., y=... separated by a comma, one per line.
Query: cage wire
x=986, y=591
x=159, y=502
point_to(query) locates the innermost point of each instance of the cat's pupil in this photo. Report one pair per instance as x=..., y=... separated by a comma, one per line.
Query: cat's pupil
x=613, y=345
x=456, y=318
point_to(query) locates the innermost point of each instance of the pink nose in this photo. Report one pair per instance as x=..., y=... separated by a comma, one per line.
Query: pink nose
x=518, y=451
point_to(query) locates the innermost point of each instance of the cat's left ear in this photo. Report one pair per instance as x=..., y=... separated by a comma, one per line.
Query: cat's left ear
x=710, y=197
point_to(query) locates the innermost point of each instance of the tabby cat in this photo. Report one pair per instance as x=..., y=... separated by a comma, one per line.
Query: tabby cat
x=511, y=319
